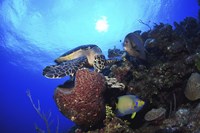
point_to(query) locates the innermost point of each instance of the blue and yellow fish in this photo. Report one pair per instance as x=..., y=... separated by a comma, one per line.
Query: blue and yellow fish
x=129, y=104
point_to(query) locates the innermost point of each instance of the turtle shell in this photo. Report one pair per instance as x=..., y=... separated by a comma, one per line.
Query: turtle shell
x=76, y=53
x=77, y=58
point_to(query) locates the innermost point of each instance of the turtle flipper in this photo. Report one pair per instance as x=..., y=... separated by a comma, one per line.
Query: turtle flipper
x=65, y=68
x=99, y=62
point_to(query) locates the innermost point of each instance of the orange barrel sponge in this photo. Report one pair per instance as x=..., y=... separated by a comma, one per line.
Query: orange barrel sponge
x=84, y=103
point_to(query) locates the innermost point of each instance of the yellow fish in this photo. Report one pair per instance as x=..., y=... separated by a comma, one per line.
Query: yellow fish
x=129, y=104
x=134, y=45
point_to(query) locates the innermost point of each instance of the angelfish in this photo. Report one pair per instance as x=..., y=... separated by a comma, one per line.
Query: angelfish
x=129, y=104
x=134, y=45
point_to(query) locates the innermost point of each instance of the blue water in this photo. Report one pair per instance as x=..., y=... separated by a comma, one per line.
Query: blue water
x=34, y=33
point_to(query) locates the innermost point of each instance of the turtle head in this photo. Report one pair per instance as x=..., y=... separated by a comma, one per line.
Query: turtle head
x=99, y=62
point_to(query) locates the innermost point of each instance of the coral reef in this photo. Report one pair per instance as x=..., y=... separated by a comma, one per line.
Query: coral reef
x=112, y=53
x=121, y=72
x=172, y=56
x=185, y=120
x=113, y=83
x=163, y=82
x=114, y=124
x=83, y=104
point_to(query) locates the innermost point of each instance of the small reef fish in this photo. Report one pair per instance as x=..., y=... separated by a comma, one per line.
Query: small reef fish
x=129, y=104
x=134, y=45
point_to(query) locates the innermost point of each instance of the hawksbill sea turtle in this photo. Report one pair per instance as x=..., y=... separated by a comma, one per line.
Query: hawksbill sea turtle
x=83, y=56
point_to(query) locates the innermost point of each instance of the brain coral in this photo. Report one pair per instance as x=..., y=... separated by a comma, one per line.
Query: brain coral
x=83, y=103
